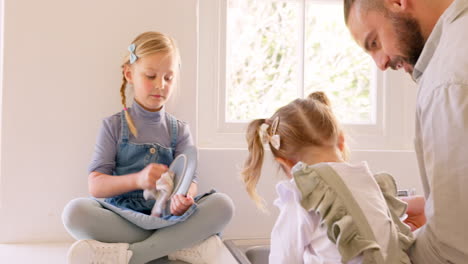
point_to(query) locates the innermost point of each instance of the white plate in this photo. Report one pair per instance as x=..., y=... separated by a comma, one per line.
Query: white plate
x=184, y=166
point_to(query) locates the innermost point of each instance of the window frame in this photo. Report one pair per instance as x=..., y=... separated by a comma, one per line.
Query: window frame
x=393, y=126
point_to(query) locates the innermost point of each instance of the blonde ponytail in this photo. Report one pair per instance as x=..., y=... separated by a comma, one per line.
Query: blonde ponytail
x=253, y=164
x=131, y=124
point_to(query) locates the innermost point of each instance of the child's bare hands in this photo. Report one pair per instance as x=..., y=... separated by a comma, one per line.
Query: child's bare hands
x=180, y=203
x=149, y=175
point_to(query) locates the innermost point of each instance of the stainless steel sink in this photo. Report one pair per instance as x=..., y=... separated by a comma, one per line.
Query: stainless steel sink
x=249, y=251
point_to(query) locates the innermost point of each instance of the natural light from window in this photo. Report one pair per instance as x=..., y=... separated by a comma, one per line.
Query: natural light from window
x=280, y=50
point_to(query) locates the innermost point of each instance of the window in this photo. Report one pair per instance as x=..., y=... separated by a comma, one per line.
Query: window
x=280, y=50
x=256, y=56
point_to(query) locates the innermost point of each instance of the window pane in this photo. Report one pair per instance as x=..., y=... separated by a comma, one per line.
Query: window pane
x=336, y=64
x=262, y=57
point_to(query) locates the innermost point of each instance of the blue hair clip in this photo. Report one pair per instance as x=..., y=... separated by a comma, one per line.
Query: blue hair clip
x=133, y=57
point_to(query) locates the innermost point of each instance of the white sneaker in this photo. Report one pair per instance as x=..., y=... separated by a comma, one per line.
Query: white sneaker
x=95, y=252
x=209, y=251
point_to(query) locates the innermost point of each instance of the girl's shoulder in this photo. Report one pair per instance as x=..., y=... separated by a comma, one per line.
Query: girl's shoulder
x=170, y=116
x=287, y=191
x=182, y=125
x=111, y=125
x=113, y=120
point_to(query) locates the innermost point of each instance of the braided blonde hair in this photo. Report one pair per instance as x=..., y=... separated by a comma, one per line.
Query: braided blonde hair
x=146, y=44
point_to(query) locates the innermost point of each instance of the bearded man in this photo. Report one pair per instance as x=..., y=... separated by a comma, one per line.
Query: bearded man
x=429, y=40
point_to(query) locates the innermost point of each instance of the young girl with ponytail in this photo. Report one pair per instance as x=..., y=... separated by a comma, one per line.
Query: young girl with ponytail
x=330, y=211
x=134, y=148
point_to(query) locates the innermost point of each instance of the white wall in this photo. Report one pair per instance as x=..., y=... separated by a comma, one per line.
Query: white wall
x=62, y=75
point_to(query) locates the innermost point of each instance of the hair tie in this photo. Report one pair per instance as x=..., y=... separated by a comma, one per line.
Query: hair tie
x=132, y=49
x=125, y=109
x=265, y=137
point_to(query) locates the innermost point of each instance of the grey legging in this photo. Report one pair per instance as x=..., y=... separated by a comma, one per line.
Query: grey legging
x=85, y=218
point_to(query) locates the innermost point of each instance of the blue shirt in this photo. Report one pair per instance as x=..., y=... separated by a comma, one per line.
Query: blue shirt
x=152, y=128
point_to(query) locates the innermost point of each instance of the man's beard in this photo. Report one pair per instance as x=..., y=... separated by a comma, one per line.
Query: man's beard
x=410, y=39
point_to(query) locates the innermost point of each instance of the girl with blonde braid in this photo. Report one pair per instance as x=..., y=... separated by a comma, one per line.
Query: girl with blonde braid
x=134, y=149
x=330, y=211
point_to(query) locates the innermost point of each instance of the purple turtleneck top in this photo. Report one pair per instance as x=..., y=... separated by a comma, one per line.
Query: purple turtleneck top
x=147, y=123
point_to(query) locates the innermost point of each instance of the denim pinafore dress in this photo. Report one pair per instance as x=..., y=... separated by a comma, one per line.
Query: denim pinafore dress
x=131, y=158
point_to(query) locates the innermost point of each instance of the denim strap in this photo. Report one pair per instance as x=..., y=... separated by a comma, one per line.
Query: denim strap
x=174, y=132
x=123, y=127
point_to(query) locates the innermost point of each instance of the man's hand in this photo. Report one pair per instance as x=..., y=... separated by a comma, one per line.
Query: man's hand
x=415, y=211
